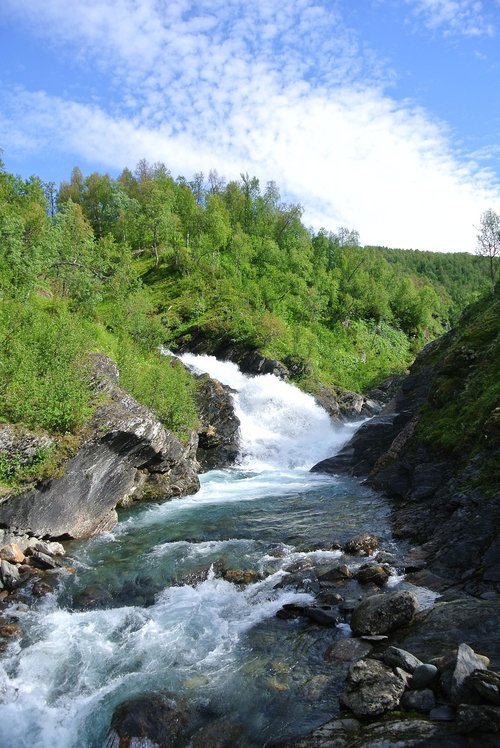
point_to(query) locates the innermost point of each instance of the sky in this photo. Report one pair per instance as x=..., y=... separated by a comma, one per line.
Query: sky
x=379, y=115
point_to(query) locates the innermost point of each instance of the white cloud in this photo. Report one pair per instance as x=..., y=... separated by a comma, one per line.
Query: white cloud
x=454, y=17
x=240, y=87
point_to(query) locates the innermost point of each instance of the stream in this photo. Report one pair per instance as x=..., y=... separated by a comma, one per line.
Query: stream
x=143, y=609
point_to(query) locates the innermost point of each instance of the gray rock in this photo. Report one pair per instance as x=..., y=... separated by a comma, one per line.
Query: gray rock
x=487, y=684
x=478, y=718
x=9, y=575
x=423, y=676
x=125, y=438
x=42, y=561
x=380, y=614
x=396, y=657
x=372, y=689
x=153, y=719
x=420, y=701
x=324, y=616
x=218, y=734
x=467, y=663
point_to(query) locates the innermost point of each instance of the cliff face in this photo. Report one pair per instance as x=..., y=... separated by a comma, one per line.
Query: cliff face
x=435, y=450
x=127, y=455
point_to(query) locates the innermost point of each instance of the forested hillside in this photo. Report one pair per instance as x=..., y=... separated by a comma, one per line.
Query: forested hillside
x=124, y=265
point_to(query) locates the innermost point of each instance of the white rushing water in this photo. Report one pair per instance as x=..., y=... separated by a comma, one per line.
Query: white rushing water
x=281, y=426
x=60, y=683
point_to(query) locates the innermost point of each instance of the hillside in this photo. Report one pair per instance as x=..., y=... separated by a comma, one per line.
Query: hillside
x=436, y=452
x=121, y=266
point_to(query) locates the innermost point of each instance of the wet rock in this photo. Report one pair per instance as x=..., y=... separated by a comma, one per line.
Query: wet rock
x=153, y=719
x=302, y=581
x=300, y=565
x=241, y=577
x=93, y=597
x=483, y=718
x=218, y=734
x=336, y=574
x=372, y=689
x=41, y=588
x=363, y=544
x=380, y=614
x=12, y=553
x=289, y=611
x=395, y=657
x=218, y=438
x=10, y=630
x=373, y=574
x=423, y=676
x=487, y=684
x=9, y=575
x=324, y=615
x=467, y=663
x=347, y=650
x=48, y=548
x=42, y=561
x=419, y=701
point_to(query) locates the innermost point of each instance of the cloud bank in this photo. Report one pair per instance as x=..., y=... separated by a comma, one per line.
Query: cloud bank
x=290, y=95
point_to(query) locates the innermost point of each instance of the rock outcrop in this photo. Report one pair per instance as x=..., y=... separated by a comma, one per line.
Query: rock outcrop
x=435, y=450
x=127, y=454
x=218, y=438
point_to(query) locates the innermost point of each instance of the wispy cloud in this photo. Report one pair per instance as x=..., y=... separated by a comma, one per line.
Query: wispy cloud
x=241, y=86
x=455, y=17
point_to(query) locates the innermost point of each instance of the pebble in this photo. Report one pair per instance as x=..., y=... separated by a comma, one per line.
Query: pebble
x=420, y=701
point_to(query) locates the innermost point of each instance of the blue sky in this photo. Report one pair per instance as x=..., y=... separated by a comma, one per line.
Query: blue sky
x=379, y=115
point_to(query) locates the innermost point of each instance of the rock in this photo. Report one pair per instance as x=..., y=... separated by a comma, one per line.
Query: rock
x=324, y=615
x=47, y=548
x=395, y=657
x=153, y=719
x=362, y=545
x=472, y=719
x=290, y=611
x=218, y=734
x=22, y=446
x=467, y=663
x=372, y=689
x=487, y=684
x=444, y=626
x=40, y=589
x=423, y=676
x=300, y=565
x=218, y=438
x=93, y=597
x=419, y=701
x=12, y=553
x=241, y=577
x=336, y=574
x=380, y=614
x=10, y=575
x=123, y=439
x=10, y=630
x=42, y=561
x=372, y=574
x=347, y=650
x=302, y=581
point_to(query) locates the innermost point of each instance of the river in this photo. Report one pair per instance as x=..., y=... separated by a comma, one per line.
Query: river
x=163, y=622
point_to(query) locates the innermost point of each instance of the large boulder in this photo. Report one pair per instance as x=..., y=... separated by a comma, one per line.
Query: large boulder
x=381, y=614
x=155, y=720
x=372, y=688
x=126, y=447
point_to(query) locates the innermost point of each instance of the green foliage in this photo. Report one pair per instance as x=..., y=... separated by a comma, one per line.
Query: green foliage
x=164, y=386
x=464, y=413
x=124, y=265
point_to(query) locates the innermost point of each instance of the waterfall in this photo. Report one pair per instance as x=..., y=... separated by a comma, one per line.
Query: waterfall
x=281, y=426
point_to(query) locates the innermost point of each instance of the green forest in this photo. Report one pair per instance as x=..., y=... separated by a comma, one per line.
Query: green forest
x=125, y=265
